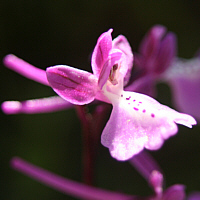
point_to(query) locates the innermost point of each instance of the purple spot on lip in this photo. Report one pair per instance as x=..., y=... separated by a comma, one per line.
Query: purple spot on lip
x=135, y=108
x=152, y=115
x=128, y=98
x=144, y=111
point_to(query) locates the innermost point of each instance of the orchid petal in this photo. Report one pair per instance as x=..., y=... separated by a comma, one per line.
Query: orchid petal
x=166, y=53
x=175, y=192
x=101, y=52
x=184, y=79
x=151, y=41
x=144, y=85
x=113, y=58
x=25, y=69
x=65, y=185
x=157, y=50
x=33, y=106
x=186, y=95
x=74, y=85
x=139, y=121
x=122, y=44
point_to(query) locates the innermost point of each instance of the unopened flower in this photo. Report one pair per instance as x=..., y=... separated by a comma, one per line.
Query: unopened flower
x=137, y=121
x=156, y=52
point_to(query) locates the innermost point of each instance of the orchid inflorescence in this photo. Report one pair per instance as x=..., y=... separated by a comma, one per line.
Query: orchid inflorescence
x=137, y=121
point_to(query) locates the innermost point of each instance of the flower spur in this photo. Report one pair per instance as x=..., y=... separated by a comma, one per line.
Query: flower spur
x=42, y=105
x=137, y=121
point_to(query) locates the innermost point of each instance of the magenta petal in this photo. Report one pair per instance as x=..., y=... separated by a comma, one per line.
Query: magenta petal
x=113, y=58
x=175, y=192
x=122, y=44
x=25, y=69
x=74, y=85
x=144, y=85
x=151, y=41
x=166, y=53
x=139, y=121
x=184, y=79
x=121, y=136
x=187, y=95
x=33, y=106
x=101, y=51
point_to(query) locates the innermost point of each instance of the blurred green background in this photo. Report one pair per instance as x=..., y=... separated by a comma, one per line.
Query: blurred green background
x=45, y=33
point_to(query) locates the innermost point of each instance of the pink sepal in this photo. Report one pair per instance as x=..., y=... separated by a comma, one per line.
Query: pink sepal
x=74, y=85
x=101, y=52
x=113, y=58
x=122, y=44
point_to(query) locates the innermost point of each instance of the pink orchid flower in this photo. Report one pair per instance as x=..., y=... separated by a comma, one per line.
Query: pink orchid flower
x=156, y=52
x=137, y=121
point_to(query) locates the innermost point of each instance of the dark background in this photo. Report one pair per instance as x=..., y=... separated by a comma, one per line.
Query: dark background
x=45, y=33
